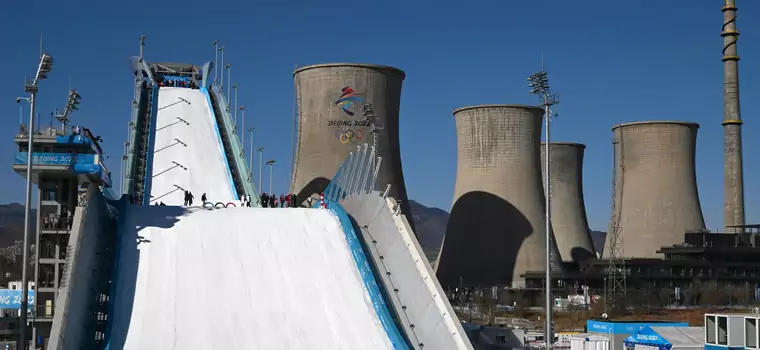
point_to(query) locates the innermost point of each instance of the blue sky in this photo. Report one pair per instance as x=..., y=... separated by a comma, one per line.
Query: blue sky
x=623, y=61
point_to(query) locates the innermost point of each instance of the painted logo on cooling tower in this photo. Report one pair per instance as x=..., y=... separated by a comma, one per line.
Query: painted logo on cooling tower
x=349, y=100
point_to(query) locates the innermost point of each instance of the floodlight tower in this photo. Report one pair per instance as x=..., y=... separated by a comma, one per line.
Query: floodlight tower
x=43, y=69
x=539, y=86
x=72, y=104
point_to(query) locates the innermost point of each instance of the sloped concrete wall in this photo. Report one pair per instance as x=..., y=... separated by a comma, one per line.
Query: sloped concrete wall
x=72, y=322
x=414, y=292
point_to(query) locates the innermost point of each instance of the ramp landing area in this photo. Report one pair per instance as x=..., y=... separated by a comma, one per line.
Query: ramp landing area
x=239, y=278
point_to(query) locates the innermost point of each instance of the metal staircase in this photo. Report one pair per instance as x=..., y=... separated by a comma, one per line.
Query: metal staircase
x=237, y=178
x=142, y=126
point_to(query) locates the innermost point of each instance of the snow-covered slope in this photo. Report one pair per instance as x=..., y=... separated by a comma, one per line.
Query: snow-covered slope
x=187, y=153
x=239, y=278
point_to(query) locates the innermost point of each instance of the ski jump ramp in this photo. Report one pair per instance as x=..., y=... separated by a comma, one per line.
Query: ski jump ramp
x=349, y=277
x=240, y=278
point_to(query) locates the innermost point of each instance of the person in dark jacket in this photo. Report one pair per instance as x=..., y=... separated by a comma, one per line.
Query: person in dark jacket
x=282, y=201
x=203, y=198
x=187, y=198
x=264, y=200
x=294, y=200
x=272, y=201
x=190, y=198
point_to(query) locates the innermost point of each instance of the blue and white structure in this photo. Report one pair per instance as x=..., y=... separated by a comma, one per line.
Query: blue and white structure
x=136, y=274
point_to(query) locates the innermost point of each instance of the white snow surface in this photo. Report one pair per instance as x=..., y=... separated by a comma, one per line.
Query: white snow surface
x=193, y=143
x=239, y=278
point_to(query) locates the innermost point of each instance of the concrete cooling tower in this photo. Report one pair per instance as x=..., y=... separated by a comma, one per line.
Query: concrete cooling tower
x=333, y=102
x=569, y=221
x=496, y=231
x=656, y=199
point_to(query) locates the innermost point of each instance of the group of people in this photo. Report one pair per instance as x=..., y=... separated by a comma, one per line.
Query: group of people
x=289, y=200
x=178, y=83
x=59, y=222
x=245, y=201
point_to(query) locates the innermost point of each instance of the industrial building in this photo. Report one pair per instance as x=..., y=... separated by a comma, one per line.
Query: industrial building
x=496, y=228
x=569, y=221
x=656, y=198
x=341, y=106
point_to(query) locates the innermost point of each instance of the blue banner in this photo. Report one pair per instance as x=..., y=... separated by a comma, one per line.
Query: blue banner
x=55, y=158
x=11, y=299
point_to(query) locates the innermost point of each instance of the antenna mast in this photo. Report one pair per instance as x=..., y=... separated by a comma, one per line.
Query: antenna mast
x=616, y=293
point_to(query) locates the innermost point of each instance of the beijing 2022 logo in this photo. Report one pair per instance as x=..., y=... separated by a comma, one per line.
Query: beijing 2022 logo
x=349, y=100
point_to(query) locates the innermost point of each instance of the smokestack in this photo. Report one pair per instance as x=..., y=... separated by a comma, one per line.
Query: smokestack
x=733, y=183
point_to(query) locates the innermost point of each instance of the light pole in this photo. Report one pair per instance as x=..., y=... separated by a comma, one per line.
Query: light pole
x=221, y=83
x=261, y=162
x=229, y=79
x=235, y=87
x=242, y=135
x=270, y=163
x=539, y=85
x=250, y=161
x=142, y=47
x=45, y=66
x=215, y=44
x=21, y=109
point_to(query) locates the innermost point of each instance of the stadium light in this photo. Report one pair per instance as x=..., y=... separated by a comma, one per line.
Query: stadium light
x=242, y=135
x=43, y=69
x=270, y=163
x=229, y=79
x=235, y=87
x=261, y=164
x=221, y=82
x=539, y=85
x=215, y=44
x=250, y=161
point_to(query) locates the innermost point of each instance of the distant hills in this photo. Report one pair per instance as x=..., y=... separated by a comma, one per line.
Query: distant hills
x=12, y=223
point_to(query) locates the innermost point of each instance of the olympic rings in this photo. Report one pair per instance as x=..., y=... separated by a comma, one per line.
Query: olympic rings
x=230, y=203
x=218, y=205
x=351, y=136
x=204, y=204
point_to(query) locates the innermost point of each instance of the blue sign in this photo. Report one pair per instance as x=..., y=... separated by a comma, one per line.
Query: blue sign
x=11, y=299
x=55, y=158
x=626, y=327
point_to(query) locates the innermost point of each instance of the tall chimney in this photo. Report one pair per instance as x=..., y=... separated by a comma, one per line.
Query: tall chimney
x=733, y=184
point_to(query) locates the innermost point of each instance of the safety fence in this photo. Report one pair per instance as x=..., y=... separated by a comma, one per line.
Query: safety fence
x=357, y=174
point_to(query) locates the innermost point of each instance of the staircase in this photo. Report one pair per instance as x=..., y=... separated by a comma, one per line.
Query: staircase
x=142, y=126
x=236, y=176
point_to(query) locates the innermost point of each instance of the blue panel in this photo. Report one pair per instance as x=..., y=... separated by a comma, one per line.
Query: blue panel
x=235, y=195
x=55, y=158
x=11, y=299
x=647, y=336
x=151, y=147
x=381, y=308
x=625, y=327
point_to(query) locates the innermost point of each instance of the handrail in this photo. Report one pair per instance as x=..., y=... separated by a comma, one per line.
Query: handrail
x=132, y=138
x=237, y=148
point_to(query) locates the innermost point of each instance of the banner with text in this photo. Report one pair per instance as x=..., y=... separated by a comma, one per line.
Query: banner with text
x=55, y=158
x=11, y=298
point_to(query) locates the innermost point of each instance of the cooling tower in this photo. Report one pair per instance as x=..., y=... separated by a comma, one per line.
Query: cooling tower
x=656, y=199
x=569, y=221
x=332, y=101
x=496, y=231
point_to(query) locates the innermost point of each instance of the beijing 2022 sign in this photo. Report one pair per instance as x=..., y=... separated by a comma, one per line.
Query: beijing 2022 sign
x=350, y=129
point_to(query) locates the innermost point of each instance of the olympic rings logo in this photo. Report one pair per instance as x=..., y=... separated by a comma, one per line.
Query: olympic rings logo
x=351, y=136
x=218, y=205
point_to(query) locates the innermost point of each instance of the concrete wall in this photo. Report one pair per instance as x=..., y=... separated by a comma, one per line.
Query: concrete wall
x=656, y=186
x=413, y=290
x=496, y=230
x=73, y=321
x=569, y=221
x=327, y=133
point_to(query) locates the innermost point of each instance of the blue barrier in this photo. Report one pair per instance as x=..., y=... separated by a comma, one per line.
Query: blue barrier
x=362, y=264
x=11, y=299
x=235, y=194
x=151, y=147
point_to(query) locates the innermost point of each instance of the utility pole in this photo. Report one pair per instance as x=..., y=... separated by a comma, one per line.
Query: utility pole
x=615, y=287
x=229, y=79
x=250, y=161
x=270, y=163
x=235, y=87
x=142, y=46
x=215, y=44
x=242, y=136
x=261, y=164
x=539, y=84
x=44, y=68
x=221, y=82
